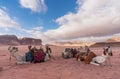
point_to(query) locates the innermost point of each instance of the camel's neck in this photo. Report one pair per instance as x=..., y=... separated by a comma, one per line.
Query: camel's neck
x=13, y=53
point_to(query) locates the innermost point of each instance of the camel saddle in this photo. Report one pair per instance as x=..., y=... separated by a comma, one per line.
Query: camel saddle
x=89, y=57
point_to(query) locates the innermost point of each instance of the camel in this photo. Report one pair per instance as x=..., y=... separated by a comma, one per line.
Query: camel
x=92, y=58
x=105, y=57
x=99, y=60
x=20, y=58
x=14, y=53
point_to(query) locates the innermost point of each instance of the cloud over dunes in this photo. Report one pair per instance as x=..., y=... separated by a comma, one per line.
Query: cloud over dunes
x=93, y=18
x=34, y=5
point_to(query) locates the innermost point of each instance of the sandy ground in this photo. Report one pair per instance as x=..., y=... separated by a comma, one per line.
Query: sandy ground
x=59, y=68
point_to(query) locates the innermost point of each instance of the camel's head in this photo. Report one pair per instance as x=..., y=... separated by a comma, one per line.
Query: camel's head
x=13, y=49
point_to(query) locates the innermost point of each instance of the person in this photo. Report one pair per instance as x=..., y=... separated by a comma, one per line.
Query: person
x=37, y=55
x=41, y=49
x=109, y=51
x=29, y=47
x=67, y=49
x=87, y=50
x=74, y=52
x=42, y=54
x=29, y=55
x=48, y=50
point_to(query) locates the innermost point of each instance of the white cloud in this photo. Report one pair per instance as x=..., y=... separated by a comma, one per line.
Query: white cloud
x=94, y=18
x=34, y=5
x=39, y=28
x=36, y=33
x=6, y=21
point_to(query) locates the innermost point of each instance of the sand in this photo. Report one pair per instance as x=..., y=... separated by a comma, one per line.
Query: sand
x=59, y=68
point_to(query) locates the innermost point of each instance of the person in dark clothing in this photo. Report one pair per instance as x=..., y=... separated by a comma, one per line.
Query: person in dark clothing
x=29, y=55
x=74, y=52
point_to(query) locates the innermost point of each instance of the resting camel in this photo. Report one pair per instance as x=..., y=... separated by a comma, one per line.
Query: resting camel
x=92, y=58
x=14, y=53
x=20, y=58
x=105, y=57
x=66, y=53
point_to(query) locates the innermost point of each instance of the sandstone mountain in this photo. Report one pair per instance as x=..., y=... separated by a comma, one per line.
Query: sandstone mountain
x=114, y=39
x=26, y=41
x=73, y=43
x=14, y=40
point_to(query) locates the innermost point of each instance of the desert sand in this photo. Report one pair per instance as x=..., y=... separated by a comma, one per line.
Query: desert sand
x=59, y=68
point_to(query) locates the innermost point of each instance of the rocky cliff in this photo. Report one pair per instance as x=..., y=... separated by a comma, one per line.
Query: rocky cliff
x=14, y=40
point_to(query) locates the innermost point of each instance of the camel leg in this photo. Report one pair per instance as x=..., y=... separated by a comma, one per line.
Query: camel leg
x=109, y=61
x=21, y=62
x=94, y=63
x=10, y=58
x=77, y=56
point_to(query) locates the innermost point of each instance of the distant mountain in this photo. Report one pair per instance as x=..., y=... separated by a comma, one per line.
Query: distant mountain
x=114, y=39
x=9, y=39
x=14, y=40
x=105, y=44
x=73, y=43
x=25, y=41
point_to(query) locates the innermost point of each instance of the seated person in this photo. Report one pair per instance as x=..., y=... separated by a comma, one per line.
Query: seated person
x=48, y=50
x=29, y=55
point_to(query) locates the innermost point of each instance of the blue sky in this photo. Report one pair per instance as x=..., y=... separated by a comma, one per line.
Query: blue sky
x=60, y=20
x=29, y=19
